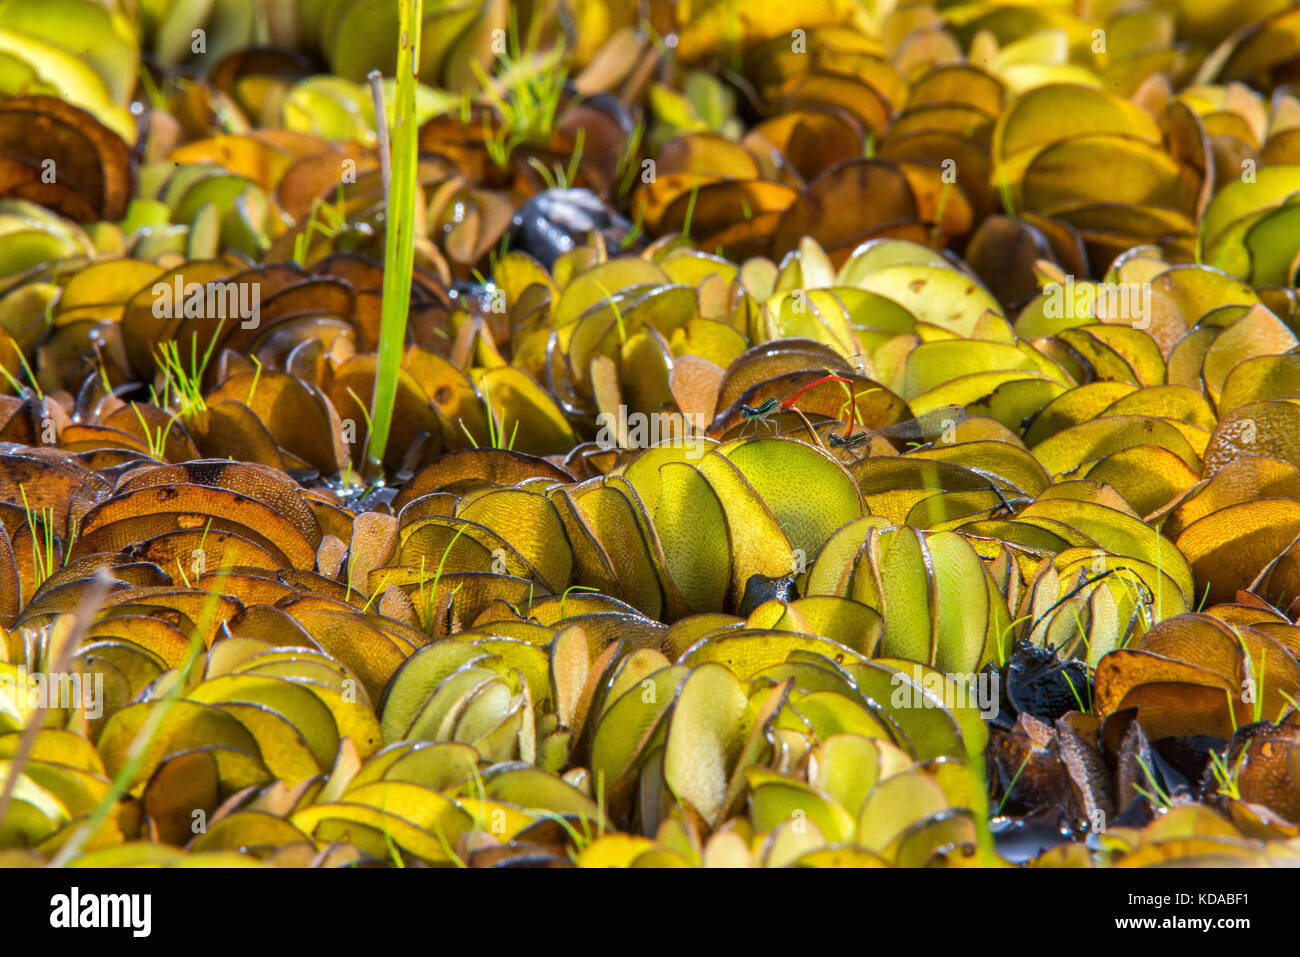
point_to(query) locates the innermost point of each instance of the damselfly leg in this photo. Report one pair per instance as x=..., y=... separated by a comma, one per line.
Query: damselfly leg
x=772, y=405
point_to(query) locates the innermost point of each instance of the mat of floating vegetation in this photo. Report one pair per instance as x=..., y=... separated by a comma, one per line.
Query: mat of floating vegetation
x=820, y=437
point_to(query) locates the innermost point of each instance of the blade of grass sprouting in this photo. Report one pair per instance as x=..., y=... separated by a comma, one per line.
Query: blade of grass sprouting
x=399, y=248
x=548, y=177
x=492, y=420
x=383, y=583
x=71, y=539
x=629, y=163
x=365, y=413
x=1161, y=796
x=155, y=96
x=388, y=837
x=428, y=594
x=613, y=305
x=18, y=387
x=566, y=594
x=571, y=174
x=1011, y=786
x=256, y=377
x=31, y=376
x=690, y=211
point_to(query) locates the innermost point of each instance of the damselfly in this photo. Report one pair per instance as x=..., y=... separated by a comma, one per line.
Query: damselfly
x=772, y=405
x=924, y=427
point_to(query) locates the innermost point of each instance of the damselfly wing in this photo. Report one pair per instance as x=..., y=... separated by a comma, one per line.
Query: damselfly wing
x=925, y=427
